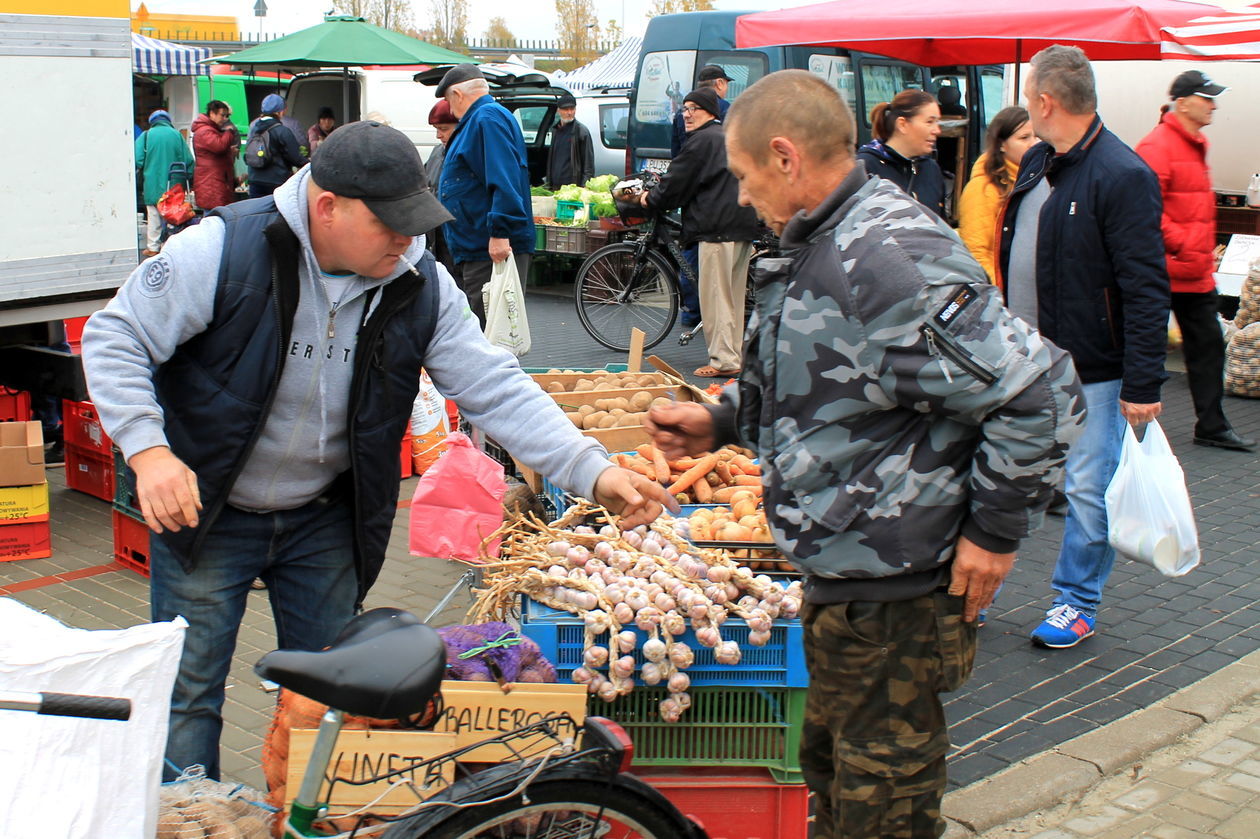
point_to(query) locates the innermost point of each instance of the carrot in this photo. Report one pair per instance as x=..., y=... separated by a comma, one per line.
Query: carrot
x=682, y=464
x=734, y=469
x=746, y=466
x=704, y=492
x=723, y=472
x=636, y=465
x=645, y=450
x=748, y=480
x=661, y=465
x=722, y=495
x=703, y=467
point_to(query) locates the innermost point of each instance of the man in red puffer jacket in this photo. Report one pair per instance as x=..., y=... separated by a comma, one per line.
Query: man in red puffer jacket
x=215, y=143
x=1177, y=150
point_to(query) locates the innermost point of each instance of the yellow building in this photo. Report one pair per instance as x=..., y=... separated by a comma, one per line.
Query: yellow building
x=187, y=27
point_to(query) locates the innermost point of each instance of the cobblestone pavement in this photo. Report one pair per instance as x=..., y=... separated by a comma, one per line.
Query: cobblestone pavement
x=1207, y=785
x=1156, y=635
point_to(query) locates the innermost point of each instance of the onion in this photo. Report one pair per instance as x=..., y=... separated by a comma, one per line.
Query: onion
x=595, y=656
x=679, y=682
x=558, y=548
x=650, y=673
x=727, y=652
x=654, y=650
x=681, y=656
x=622, y=613
x=627, y=641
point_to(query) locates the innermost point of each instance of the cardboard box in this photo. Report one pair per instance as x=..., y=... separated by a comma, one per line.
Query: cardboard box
x=25, y=504
x=21, y=454
x=25, y=541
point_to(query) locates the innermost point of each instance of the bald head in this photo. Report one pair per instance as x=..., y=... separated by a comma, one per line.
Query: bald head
x=799, y=106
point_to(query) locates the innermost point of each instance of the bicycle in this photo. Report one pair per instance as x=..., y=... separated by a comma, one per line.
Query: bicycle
x=634, y=283
x=564, y=780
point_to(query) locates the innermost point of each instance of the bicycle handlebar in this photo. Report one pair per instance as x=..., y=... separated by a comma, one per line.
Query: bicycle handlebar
x=67, y=705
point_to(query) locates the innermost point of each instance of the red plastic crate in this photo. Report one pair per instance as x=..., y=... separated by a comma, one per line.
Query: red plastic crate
x=74, y=332
x=15, y=405
x=131, y=542
x=82, y=427
x=404, y=457
x=90, y=471
x=25, y=541
x=734, y=804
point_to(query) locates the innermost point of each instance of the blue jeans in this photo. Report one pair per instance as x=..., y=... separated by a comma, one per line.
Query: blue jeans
x=306, y=557
x=687, y=289
x=1086, y=557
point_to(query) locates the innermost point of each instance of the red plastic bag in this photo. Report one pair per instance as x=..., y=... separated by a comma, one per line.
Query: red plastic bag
x=458, y=503
x=175, y=205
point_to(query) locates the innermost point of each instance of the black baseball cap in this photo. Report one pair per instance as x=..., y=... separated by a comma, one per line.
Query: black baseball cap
x=712, y=71
x=380, y=166
x=455, y=75
x=1195, y=83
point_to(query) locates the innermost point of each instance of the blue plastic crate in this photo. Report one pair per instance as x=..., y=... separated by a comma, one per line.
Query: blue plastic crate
x=780, y=663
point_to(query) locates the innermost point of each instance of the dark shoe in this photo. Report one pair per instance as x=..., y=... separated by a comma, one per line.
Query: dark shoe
x=55, y=454
x=1227, y=439
x=258, y=584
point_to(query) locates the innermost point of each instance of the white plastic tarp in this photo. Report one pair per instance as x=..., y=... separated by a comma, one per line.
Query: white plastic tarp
x=62, y=776
x=616, y=69
x=162, y=58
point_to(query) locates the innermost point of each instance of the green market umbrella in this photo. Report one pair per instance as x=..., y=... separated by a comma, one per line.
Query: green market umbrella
x=343, y=41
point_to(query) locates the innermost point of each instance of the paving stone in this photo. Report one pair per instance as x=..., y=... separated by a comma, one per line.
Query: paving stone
x=1104, y=819
x=1228, y=752
x=1245, y=781
x=1145, y=795
x=1239, y=826
x=1225, y=792
x=1189, y=819
x=1211, y=807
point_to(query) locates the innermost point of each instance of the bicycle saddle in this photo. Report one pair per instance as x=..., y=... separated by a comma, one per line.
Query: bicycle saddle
x=384, y=664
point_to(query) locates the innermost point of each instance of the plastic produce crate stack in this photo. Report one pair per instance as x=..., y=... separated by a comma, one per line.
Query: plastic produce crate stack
x=24, y=528
x=734, y=803
x=131, y=534
x=89, y=460
x=15, y=405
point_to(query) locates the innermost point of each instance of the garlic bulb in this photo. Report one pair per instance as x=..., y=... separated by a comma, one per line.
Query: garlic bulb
x=654, y=650
x=726, y=652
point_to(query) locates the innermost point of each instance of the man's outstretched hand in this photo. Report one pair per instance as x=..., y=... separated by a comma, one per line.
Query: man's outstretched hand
x=680, y=429
x=632, y=496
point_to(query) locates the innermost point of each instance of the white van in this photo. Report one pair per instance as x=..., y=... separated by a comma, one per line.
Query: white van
x=390, y=92
x=606, y=114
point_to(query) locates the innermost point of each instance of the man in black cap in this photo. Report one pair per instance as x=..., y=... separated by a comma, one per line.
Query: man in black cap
x=711, y=76
x=258, y=376
x=1176, y=151
x=485, y=184
x=572, y=156
x=699, y=182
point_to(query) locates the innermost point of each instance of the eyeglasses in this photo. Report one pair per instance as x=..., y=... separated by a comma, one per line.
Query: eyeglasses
x=690, y=109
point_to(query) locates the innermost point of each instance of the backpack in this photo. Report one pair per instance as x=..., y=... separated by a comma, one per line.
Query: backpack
x=258, y=149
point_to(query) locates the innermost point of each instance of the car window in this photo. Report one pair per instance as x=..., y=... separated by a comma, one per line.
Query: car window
x=837, y=71
x=614, y=122
x=531, y=119
x=881, y=82
x=991, y=83
x=664, y=80
x=744, y=68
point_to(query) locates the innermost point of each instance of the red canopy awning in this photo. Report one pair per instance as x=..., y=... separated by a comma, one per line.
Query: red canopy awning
x=1227, y=36
x=935, y=32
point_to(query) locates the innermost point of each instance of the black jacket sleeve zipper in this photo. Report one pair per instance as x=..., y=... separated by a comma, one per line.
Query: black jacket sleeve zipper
x=942, y=349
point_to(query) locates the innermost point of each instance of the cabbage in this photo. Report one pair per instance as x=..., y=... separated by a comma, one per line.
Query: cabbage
x=602, y=183
x=569, y=192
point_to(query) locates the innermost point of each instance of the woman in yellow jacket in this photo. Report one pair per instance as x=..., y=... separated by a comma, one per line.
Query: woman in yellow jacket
x=993, y=175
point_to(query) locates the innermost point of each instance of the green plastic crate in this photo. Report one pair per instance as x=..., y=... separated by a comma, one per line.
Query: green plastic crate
x=540, y=238
x=725, y=726
x=566, y=210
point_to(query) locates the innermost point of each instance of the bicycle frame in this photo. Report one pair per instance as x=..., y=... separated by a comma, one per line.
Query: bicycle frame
x=655, y=234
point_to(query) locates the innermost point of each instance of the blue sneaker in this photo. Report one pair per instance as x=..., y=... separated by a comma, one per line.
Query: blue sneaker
x=1064, y=626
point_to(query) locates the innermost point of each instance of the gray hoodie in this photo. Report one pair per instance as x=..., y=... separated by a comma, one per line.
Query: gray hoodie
x=304, y=443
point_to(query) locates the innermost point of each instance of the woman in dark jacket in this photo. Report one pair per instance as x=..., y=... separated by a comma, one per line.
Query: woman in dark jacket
x=699, y=182
x=905, y=132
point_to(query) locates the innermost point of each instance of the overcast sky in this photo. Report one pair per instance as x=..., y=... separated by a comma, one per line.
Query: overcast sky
x=524, y=19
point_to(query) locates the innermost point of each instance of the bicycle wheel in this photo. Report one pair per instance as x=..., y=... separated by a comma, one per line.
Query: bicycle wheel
x=615, y=292
x=558, y=809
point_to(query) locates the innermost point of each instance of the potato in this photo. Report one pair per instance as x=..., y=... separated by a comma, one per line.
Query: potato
x=253, y=827
x=593, y=420
x=641, y=401
x=660, y=400
x=586, y=409
x=622, y=402
x=609, y=421
x=554, y=371
x=616, y=412
x=603, y=404
x=574, y=417
x=603, y=386
x=584, y=384
x=639, y=417
x=627, y=421
x=554, y=387
x=169, y=824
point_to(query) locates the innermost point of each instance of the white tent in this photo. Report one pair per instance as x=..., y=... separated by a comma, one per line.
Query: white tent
x=616, y=69
x=162, y=58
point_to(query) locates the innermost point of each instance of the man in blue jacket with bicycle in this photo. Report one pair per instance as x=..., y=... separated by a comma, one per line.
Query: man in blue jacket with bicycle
x=1082, y=258
x=485, y=185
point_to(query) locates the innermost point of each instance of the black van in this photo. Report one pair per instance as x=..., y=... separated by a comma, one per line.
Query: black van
x=676, y=46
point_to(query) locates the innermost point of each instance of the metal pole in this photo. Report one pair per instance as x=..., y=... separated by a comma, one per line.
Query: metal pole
x=345, y=95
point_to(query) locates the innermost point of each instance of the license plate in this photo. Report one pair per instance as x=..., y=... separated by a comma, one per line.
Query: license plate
x=653, y=164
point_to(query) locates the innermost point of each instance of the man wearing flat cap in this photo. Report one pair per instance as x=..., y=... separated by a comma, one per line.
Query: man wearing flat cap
x=1177, y=152
x=258, y=376
x=571, y=159
x=699, y=182
x=485, y=185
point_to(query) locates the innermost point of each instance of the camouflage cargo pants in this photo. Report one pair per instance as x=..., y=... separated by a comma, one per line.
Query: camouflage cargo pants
x=874, y=741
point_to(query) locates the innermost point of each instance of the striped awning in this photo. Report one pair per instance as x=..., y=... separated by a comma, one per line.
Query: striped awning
x=162, y=58
x=1225, y=36
x=616, y=69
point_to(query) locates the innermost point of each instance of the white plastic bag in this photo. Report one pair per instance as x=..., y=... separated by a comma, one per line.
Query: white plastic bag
x=61, y=776
x=506, y=323
x=1253, y=191
x=430, y=425
x=1148, y=507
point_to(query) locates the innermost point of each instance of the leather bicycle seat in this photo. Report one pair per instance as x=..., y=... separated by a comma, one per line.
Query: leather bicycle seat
x=384, y=664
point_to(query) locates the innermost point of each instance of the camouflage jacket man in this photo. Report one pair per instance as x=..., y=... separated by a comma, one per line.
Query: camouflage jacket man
x=894, y=401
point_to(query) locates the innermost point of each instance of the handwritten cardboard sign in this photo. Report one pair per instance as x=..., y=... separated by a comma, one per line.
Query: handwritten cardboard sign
x=360, y=755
